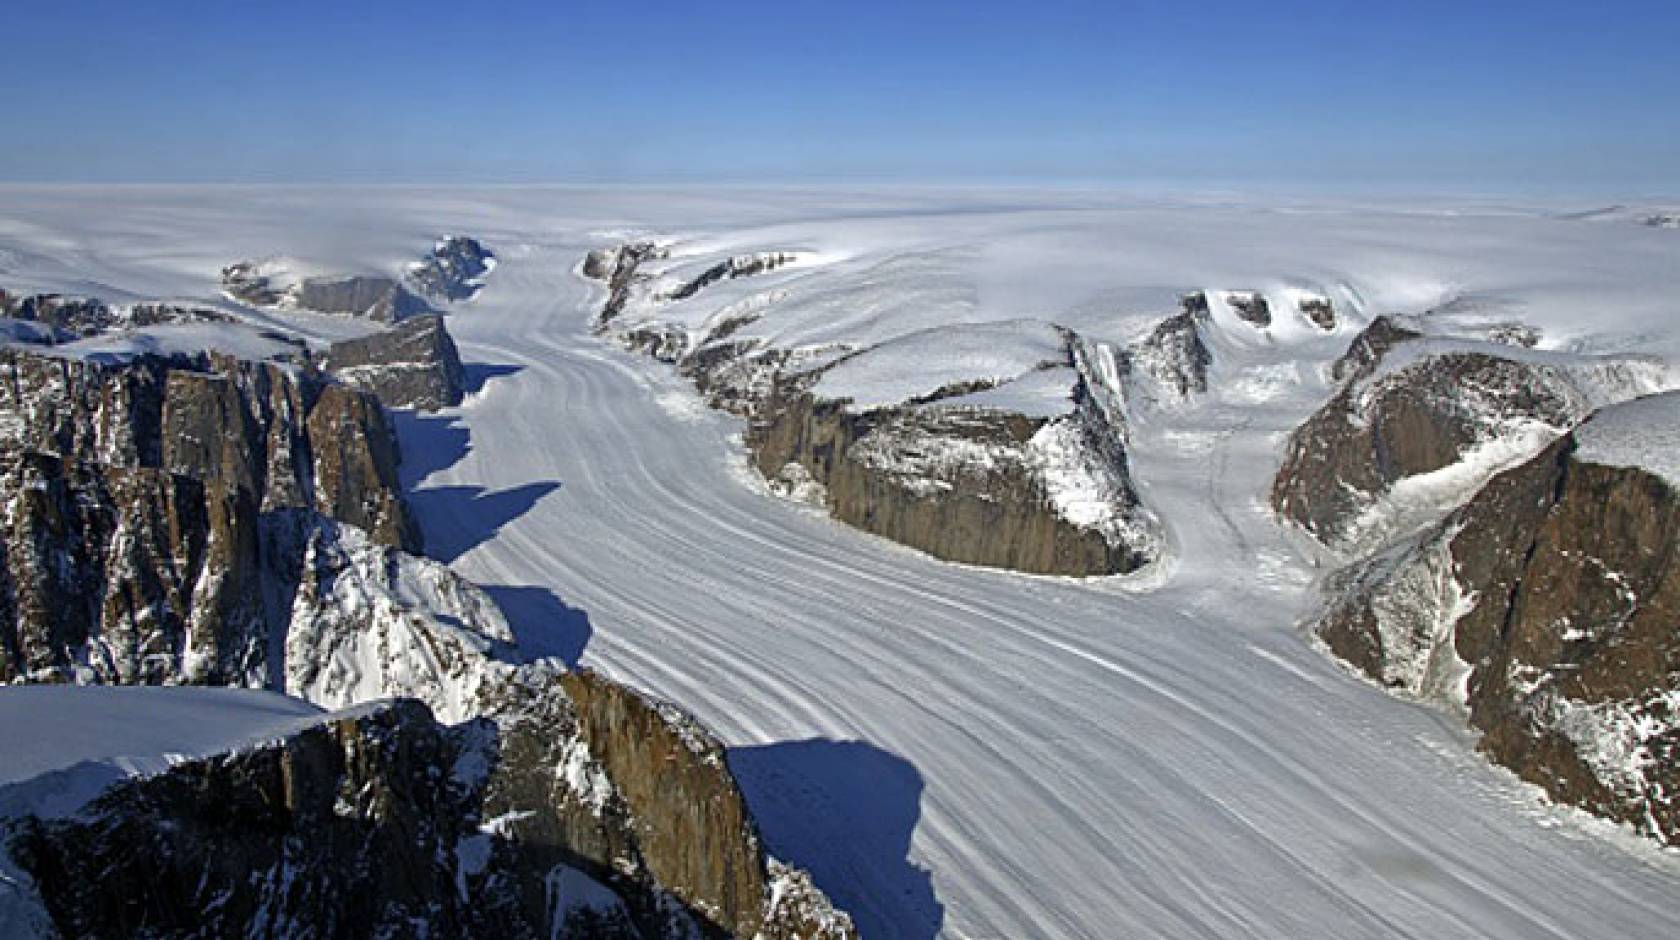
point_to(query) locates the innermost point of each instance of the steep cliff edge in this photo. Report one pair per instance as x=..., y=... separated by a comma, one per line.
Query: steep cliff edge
x=282, y=432
x=967, y=481
x=1546, y=608
x=413, y=365
x=162, y=515
x=379, y=821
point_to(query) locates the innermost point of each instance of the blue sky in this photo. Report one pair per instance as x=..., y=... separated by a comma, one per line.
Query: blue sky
x=1538, y=95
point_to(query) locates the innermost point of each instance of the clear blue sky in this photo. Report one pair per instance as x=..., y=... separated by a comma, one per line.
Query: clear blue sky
x=1577, y=96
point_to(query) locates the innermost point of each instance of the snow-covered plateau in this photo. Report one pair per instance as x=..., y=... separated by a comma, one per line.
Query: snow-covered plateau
x=954, y=750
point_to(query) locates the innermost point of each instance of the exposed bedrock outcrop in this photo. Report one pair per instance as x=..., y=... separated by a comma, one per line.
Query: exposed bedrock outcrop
x=202, y=520
x=1414, y=406
x=281, y=432
x=743, y=266
x=454, y=270
x=379, y=821
x=618, y=267
x=1547, y=608
x=74, y=315
x=977, y=485
x=372, y=297
x=1251, y=307
x=1171, y=363
x=57, y=318
x=413, y=365
x=159, y=512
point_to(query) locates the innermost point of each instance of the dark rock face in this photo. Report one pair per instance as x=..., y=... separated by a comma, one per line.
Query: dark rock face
x=77, y=315
x=349, y=828
x=694, y=831
x=56, y=318
x=376, y=298
x=283, y=433
x=1250, y=307
x=379, y=821
x=1370, y=346
x=1424, y=415
x=959, y=484
x=414, y=365
x=246, y=281
x=355, y=455
x=109, y=572
x=1173, y=360
x=155, y=510
x=455, y=269
x=1546, y=607
x=745, y=266
x=1320, y=311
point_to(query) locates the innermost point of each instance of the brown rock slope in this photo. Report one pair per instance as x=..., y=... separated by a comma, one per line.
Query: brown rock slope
x=1548, y=607
x=1411, y=405
x=965, y=484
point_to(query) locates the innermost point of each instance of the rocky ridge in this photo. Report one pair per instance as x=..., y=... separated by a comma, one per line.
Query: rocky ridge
x=1033, y=478
x=156, y=510
x=61, y=318
x=1500, y=570
x=1544, y=610
x=454, y=270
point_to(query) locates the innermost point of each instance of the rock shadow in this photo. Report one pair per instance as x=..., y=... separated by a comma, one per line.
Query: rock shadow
x=845, y=811
x=457, y=519
x=476, y=375
x=429, y=443
x=543, y=624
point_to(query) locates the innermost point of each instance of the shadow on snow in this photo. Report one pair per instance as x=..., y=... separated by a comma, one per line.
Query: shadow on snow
x=457, y=519
x=542, y=623
x=844, y=811
x=478, y=374
x=428, y=443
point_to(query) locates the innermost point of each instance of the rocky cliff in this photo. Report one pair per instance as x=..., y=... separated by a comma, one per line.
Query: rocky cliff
x=1032, y=476
x=966, y=483
x=379, y=821
x=1546, y=608
x=413, y=365
x=1419, y=421
x=619, y=269
x=281, y=432
x=158, y=512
